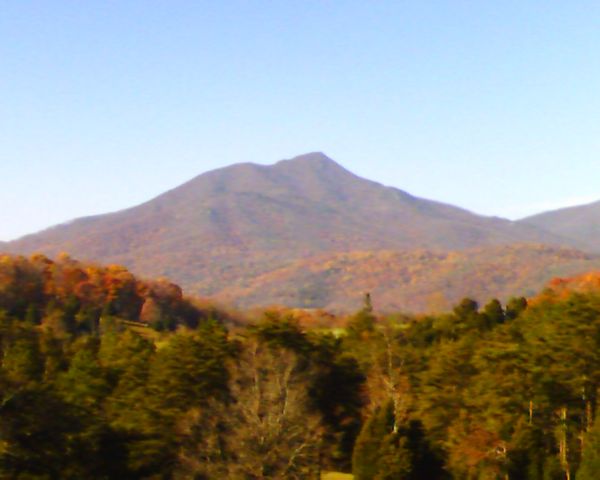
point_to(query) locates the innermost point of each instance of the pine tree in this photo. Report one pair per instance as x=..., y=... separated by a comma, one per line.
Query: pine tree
x=589, y=468
x=494, y=314
x=380, y=453
x=515, y=306
x=84, y=383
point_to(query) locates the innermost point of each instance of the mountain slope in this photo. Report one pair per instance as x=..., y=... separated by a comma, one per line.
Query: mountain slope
x=580, y=224
x=228, y=226
x=417, y=281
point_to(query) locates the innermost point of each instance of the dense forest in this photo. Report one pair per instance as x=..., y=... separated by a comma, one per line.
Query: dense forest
x=106, y=376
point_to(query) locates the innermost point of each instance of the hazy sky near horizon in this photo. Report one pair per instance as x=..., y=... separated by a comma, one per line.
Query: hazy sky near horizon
x=492, y=106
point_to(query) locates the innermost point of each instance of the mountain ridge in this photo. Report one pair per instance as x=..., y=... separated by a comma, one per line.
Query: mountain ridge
x=324, y=183
x=580, y=223
x=231, y=225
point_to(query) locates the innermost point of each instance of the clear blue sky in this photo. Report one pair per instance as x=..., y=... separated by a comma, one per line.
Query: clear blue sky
x=489, y=105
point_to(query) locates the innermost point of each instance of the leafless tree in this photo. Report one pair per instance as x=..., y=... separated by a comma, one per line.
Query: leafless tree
x=268, y=431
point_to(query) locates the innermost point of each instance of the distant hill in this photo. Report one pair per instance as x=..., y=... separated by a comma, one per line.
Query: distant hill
x=417, y=281
x=580, y=225
x=226, y=228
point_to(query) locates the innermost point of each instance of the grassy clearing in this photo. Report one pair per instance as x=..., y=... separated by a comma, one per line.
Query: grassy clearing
x=336, y=476
x=159, y=339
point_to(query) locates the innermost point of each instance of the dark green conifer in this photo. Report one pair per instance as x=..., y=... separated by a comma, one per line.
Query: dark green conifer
x=589, y=468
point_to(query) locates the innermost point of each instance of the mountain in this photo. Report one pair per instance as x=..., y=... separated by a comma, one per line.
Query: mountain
x=580, y=225
x=225, y=228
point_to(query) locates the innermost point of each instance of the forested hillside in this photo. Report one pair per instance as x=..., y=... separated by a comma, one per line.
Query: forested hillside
x=89, y=390
x=413, y=280
x=71, y=297
x=226, y=233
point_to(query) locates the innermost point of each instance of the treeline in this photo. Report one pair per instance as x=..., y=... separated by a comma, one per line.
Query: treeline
x=492, y=393
x=87, y=390
x=70, y=297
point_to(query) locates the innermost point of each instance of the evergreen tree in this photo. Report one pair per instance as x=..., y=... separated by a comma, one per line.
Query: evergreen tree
x=84, y=384
x=589, y=468
x=22, y=361
x=494, y=314
x=362, y=324
x=515, y=306
x=368, y=448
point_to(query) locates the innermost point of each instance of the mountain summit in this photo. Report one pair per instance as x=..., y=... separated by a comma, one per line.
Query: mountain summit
x=228, y=226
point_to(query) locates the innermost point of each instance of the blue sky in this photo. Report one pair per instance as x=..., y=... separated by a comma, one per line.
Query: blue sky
x=493, y=106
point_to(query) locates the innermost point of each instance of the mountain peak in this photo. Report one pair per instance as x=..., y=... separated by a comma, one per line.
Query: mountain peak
x=313, y=165
x=310, y=157
x=314, y=159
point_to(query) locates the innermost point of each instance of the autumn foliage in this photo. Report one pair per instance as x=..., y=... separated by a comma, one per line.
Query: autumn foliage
x=67, y=295
x=103, y=375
